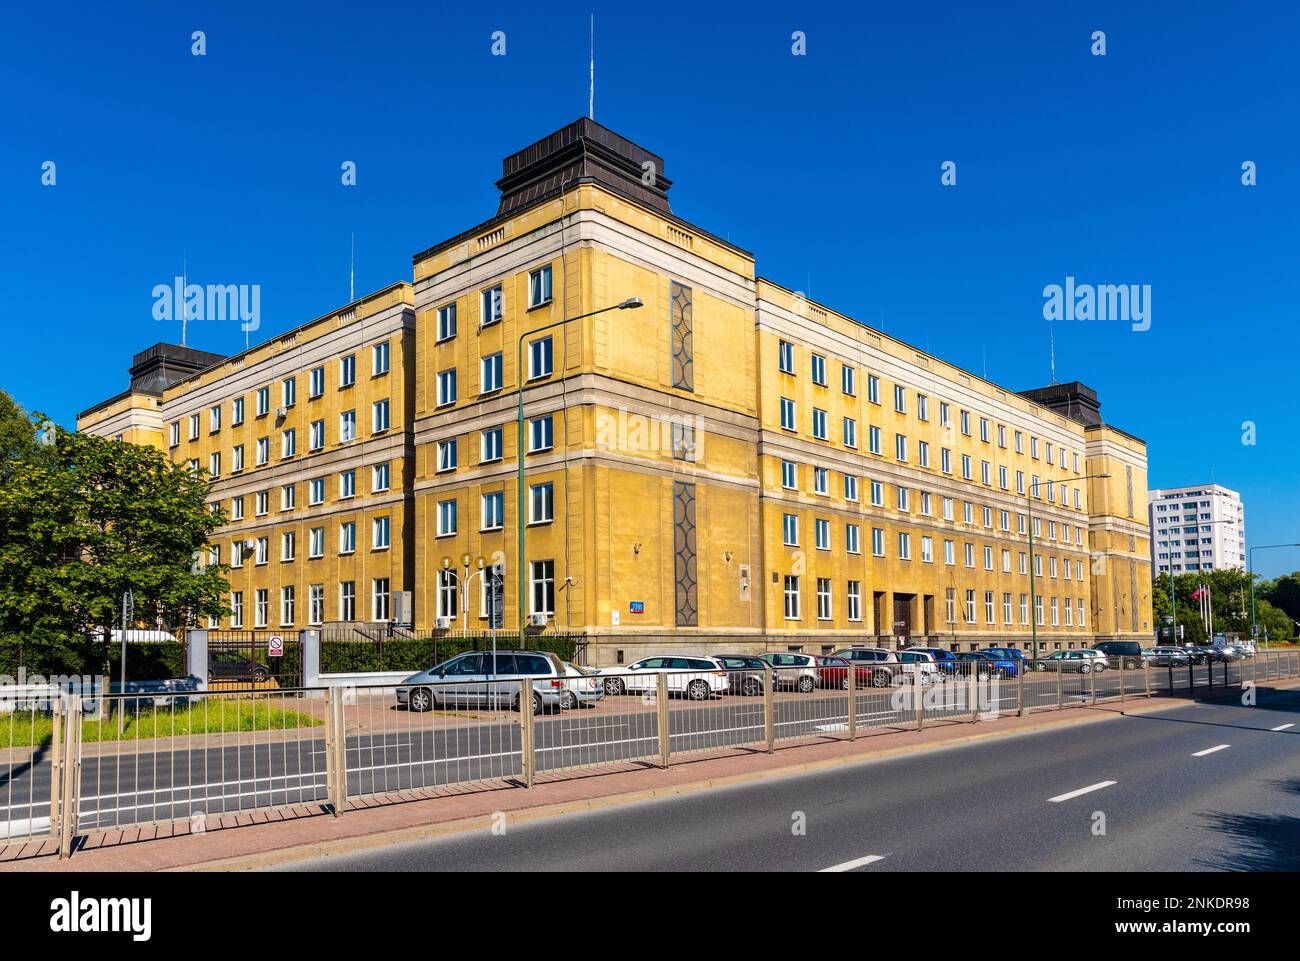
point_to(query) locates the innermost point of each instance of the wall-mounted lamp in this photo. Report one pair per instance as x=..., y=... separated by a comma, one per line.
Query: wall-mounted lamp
x=636, y=548
x=727, y=555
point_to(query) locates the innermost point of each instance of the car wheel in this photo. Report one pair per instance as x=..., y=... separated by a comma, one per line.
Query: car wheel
x=261, y=676
x=806, y=684
x=844, y=684
x=1040, y=666
x=570, y=701
x=614, y=687
x=698, y=690
x=1085, y=668
x=752, y=687
x=420, y=700
x=880, y=678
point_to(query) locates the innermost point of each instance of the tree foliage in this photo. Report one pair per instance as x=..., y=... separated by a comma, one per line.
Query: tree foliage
x=84, y=519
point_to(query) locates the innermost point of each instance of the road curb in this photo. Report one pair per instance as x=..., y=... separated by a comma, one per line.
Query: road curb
x=425, y=832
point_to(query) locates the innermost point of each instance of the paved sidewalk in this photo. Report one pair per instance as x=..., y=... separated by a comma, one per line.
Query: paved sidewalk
x=265, y=838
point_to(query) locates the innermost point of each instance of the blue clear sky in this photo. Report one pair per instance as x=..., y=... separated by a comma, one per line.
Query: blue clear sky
x=1117, y=169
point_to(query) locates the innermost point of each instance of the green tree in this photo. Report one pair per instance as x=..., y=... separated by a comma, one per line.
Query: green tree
x=85, y=519
x=17, y=435
x=1283, y=593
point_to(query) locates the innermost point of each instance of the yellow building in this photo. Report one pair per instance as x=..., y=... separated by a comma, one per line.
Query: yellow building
x=728, y=466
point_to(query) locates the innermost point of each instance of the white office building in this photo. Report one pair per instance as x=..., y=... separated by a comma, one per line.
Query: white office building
x=1200, y=528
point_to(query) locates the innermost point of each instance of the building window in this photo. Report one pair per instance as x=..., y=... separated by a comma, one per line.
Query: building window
x=286, y=605
x=490, y=373
x=261, y=607
x=492, y=510
x=819, y=370
x=448, y=594
x=446, y=387
x=790, y=529
x=446, y=322
x=789, y=475
x=379, y=477
x=347, y=426
x=683, y=440
x=316, y=604
x=821, y=480
x=787, y=414
x=316, y=435
x=541, y=582
x=347, y=370
x=873, y=388
x=379, y=533
x=379, y=416
x=824, y=610
x=347, y=483
x=288, y=546
x=539, y=286
x=379, y=359
x=853, y=600
x=316, y=542
x=315, y=491
x=492, y=305
x=315, y=382
x=288, y=392
x=446, y=455
x=348, y=601
x=490, y=445
x=347, y=537
x=791, y=597
x=785, y=357
x=900, y=399
x=379, y=598
x=540, y=358
x=851, y=544
x=849, y=380
x=878, y=542
x=236, y=608
x=447, y=523
x=823, y=534
x=541, y=503
x=541, y=434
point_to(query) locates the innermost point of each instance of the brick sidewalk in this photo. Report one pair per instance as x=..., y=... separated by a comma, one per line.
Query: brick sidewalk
x=265, y=838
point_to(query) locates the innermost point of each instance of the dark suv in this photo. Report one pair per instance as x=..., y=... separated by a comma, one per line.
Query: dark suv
x=1125, y=654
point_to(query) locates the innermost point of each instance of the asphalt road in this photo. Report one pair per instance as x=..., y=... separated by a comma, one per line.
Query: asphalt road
x=136, y=784
x=1197, y=787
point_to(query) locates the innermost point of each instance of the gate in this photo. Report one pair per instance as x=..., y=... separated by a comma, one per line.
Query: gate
x=238, y=658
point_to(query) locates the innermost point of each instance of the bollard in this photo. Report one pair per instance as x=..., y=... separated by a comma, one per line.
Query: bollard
x=1021, y=668
x=661, y=709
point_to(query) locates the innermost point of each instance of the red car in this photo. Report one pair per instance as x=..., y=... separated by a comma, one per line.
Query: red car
x=834, y=672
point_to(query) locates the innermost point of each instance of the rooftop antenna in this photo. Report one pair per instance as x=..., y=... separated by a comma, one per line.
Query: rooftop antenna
x=185, y=308
x=352, y=271
x=984, y=356
x=1051, y=350
x=591, y=90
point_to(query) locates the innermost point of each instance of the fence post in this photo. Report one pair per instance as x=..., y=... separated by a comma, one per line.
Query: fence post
x=661, y=708
x=309, y=658
x=196, y=657
x=1060, y=689
x=851, y=678
x=1021, y=668
x=769, y=718
x=1092, y=686
x=1121, y=678
x=1146, y=676
x=917, y=700
x=71, y=777
x=1191, y=675
x=526, y=756
x=56, y=761
x=336, y=772
x=972, y=686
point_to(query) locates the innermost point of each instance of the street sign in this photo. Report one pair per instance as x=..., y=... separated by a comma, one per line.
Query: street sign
x=275, y=646
x=636, y=607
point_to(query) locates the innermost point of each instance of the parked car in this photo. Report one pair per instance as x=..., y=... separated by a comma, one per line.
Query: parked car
x=229, y=666
x=943, y=658
x=1204, y=654
x=475, y=679
x=919, y=666
x=691, y=675
x=796, y=670
x=986, y=664
x=833, y=671
x=583, y=689
x=746, y=674
x=1099, y=660
x=1081, y=662
x=1128, y=654
x=1230, y=652
x=1011, y=654
x=1168, y=657
x=886, y=665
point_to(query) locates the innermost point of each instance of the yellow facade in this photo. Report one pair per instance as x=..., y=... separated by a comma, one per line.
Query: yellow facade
x=716, y=479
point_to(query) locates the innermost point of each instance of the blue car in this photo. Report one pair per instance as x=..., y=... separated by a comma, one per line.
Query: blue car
x=1021, y=658
x=997, y=665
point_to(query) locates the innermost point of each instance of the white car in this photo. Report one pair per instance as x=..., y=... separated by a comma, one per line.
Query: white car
x=691, y=675
x=795, y=670
x=582, y=689
x=1100, y=660
x=920, y=665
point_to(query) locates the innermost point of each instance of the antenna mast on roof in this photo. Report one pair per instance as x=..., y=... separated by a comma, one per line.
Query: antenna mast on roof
x=185, y=310
x=352, y=271
x=1051, y=350
x=591, y=76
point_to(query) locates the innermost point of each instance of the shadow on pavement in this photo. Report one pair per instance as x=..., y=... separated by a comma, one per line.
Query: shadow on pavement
x=1259, y=842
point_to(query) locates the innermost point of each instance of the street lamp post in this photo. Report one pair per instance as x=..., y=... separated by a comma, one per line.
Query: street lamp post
x=1250, y=574
x=1033, y=596
x=520, y=523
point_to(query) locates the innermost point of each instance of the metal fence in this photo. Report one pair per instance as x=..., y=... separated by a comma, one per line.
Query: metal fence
x=72, y=766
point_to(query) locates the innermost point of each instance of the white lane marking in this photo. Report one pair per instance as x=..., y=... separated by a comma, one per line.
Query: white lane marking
x=1083, y=790
x=1281, y=727
x=24, y=828
x=1211, y=750
x=850, y=865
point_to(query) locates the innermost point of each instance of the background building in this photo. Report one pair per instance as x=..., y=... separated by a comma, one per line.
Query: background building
x=728, y=466
x=1199, y=528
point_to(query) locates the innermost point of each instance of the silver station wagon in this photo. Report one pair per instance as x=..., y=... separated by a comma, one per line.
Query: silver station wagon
x=477, y=680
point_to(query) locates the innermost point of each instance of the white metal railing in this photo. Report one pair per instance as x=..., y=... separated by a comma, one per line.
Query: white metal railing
x=71, y=767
